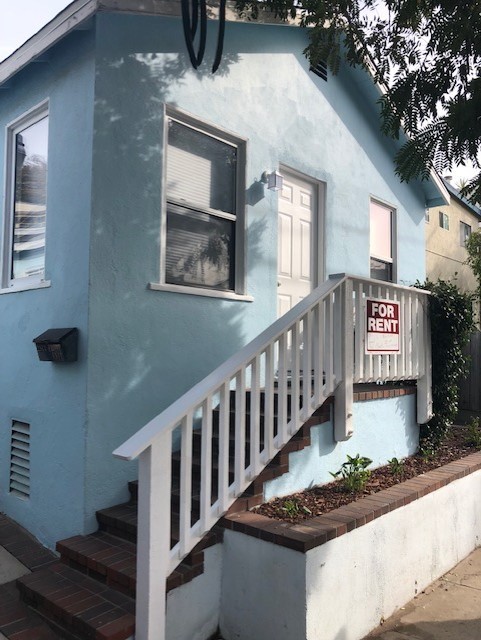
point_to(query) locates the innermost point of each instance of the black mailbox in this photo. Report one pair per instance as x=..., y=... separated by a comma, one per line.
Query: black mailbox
x=57, y=345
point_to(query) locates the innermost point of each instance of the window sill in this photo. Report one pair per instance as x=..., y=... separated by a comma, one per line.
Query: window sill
x=16, y=288
x=208, y=293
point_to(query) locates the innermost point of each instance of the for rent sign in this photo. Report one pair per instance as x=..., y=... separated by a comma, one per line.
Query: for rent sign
x=382, y=327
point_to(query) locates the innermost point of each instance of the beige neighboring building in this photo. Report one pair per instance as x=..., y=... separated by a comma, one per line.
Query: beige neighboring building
x=447, y=228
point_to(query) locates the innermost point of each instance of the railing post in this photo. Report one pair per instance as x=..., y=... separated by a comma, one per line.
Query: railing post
x=344, y=346
x=153, y=538
x=424, y=384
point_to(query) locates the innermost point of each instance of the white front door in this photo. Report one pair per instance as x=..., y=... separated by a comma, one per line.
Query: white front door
x=298, y=241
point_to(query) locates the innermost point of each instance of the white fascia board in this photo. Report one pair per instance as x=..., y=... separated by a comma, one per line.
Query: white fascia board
x=68, y=20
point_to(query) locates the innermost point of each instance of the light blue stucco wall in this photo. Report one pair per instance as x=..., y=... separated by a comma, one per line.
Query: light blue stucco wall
x=52, y=398
x=383, y=429
x=147, y=347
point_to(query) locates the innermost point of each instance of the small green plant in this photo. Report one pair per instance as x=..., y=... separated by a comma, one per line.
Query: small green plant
x=354, y=473
x=292, y=508
x=473, y=434
x=427, y=452
x=396, y=467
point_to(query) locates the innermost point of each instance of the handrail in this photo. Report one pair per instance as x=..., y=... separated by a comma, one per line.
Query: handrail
x=137, y=443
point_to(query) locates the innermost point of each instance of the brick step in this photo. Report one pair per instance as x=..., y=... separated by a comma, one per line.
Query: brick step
x=85, y=607
x=18, y=621
x=104, y=557
x=112, y=560
x=121, y=521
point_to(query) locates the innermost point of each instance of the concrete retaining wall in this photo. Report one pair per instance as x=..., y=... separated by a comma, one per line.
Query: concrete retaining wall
x=342, y=589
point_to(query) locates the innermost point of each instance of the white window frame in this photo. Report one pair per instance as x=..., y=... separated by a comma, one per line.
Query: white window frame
x=239, y=292
x=7, y=283
x=392, y=260
x=463, y=226
x=444, y=220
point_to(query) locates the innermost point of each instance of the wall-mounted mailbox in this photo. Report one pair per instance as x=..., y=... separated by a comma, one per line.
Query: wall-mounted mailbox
x=57, y=345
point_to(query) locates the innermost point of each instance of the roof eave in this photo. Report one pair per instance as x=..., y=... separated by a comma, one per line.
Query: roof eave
x=70, y=19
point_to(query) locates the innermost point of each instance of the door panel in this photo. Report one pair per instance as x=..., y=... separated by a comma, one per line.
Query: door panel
x=297, y=242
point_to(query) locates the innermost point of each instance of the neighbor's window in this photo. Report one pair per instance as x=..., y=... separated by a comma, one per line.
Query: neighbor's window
x=464, y=233
x=444, y=220
x=26, y=207
x=382, y=241
x=203, y=221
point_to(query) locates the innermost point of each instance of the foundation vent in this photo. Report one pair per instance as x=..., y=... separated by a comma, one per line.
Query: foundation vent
x=20, y=460
x=320, y=70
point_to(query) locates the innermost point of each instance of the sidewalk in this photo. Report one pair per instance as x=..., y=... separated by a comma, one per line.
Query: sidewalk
x=449, y=609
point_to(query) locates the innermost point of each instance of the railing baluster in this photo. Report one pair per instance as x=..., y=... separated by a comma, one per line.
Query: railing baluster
x=386, y=359
x=358, y=335
x=317, y=353
x=417, y=318
x=306, y=367
x=255, y=422
x=282, y=418
x=206, y=465
x=329, y=344
x=224, y=437
x=185, y=508
x=240, y=432
x=269, y=403
x=295, y=384
x=403, y=331
x=369, y=357
x=409, y=336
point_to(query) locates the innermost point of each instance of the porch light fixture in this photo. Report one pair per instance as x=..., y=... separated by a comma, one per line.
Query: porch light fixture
x=274, y=180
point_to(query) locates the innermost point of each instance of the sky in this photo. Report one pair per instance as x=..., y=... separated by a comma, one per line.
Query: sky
x=21, y=19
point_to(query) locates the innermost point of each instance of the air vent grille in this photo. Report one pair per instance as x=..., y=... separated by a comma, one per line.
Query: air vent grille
x=20, y=460
x=320, y=70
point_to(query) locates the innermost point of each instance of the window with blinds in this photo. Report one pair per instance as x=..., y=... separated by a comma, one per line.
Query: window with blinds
x=202, y=200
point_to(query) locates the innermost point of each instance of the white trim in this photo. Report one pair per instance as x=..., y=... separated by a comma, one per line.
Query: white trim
x=392, y=260
x=27, y=119
x=44, y=284
x=194, y=291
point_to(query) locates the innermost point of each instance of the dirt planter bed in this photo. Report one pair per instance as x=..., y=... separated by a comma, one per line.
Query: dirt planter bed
x=336, y=576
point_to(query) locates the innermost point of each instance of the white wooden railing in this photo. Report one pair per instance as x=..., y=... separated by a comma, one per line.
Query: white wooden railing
x=275, y=384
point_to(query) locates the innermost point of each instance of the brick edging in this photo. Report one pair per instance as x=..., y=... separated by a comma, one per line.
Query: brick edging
x=320, y=529
x=363, y=392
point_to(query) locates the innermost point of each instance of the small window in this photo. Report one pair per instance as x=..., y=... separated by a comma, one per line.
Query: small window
x=26, y=202
x=426, y=215
x=444, y=220
x=464, y=233
x=203, y=230
x=382, y=219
